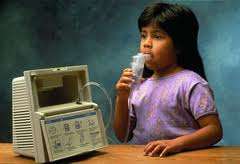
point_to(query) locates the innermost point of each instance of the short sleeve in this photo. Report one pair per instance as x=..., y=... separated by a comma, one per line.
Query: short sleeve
x=202, y=101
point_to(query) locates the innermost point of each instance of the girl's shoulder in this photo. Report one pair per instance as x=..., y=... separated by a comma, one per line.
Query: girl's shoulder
x=183, y=81
x=188, y=76
x=185, y=78
x=188, y=79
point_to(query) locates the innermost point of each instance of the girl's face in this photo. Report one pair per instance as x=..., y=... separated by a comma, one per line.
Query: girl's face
x=159, y=45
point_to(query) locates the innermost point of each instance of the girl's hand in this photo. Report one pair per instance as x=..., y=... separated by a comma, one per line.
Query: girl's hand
x=124, y=83
x=162, y=147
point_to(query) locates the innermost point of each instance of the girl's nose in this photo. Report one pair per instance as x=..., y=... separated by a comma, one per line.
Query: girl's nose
x=148, y=43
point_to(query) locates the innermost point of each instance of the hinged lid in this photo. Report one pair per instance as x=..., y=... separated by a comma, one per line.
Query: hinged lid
x=55, y=86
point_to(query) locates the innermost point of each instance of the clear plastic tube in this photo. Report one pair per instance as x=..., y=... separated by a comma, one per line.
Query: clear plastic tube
x=105, y=93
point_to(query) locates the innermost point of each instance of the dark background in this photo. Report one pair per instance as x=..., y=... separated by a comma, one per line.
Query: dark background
x=103, y=34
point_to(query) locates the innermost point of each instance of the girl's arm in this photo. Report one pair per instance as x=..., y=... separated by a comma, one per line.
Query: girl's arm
x=121, y=116
x=209, y=134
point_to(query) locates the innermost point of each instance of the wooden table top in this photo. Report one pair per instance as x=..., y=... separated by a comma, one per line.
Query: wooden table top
x=134, y=154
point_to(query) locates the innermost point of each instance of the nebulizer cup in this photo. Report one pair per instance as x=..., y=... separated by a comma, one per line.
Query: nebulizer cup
x=137, y=65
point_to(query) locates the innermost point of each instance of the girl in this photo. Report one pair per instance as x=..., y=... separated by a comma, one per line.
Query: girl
x=172, y=109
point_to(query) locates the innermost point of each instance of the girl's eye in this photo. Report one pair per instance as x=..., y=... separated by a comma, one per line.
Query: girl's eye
x=143, y=36
x=157, y=36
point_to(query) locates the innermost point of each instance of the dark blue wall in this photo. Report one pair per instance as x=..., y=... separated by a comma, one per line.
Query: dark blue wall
x=104, y=35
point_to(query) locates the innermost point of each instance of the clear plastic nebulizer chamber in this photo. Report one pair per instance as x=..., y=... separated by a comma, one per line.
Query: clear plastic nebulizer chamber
x=137, y=64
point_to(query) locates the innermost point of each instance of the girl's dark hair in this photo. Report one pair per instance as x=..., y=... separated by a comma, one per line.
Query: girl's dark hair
x=181, y=25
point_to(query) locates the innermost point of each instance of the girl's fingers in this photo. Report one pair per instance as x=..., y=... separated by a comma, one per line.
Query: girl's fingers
x=127, y=70
x=127, y=74
x=126, y=80
x=164, y=152
x=157, y=150
x=150, y=148
x=123, y=86
x=146, y=147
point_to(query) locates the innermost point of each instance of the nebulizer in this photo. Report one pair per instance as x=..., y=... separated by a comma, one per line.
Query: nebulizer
x=137, y=65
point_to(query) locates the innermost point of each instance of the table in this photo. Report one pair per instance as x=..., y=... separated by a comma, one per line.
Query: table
x=124, y=154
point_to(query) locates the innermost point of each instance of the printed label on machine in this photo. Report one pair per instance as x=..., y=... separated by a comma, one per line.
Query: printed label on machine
x=72, y=134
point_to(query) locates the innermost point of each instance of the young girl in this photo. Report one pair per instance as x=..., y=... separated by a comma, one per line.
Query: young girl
x=172, y=109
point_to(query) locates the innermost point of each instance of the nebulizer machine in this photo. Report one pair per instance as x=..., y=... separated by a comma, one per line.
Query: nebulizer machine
x=53, y=114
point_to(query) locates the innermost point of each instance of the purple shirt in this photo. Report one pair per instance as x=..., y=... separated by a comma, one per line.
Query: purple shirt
x=168, y=107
